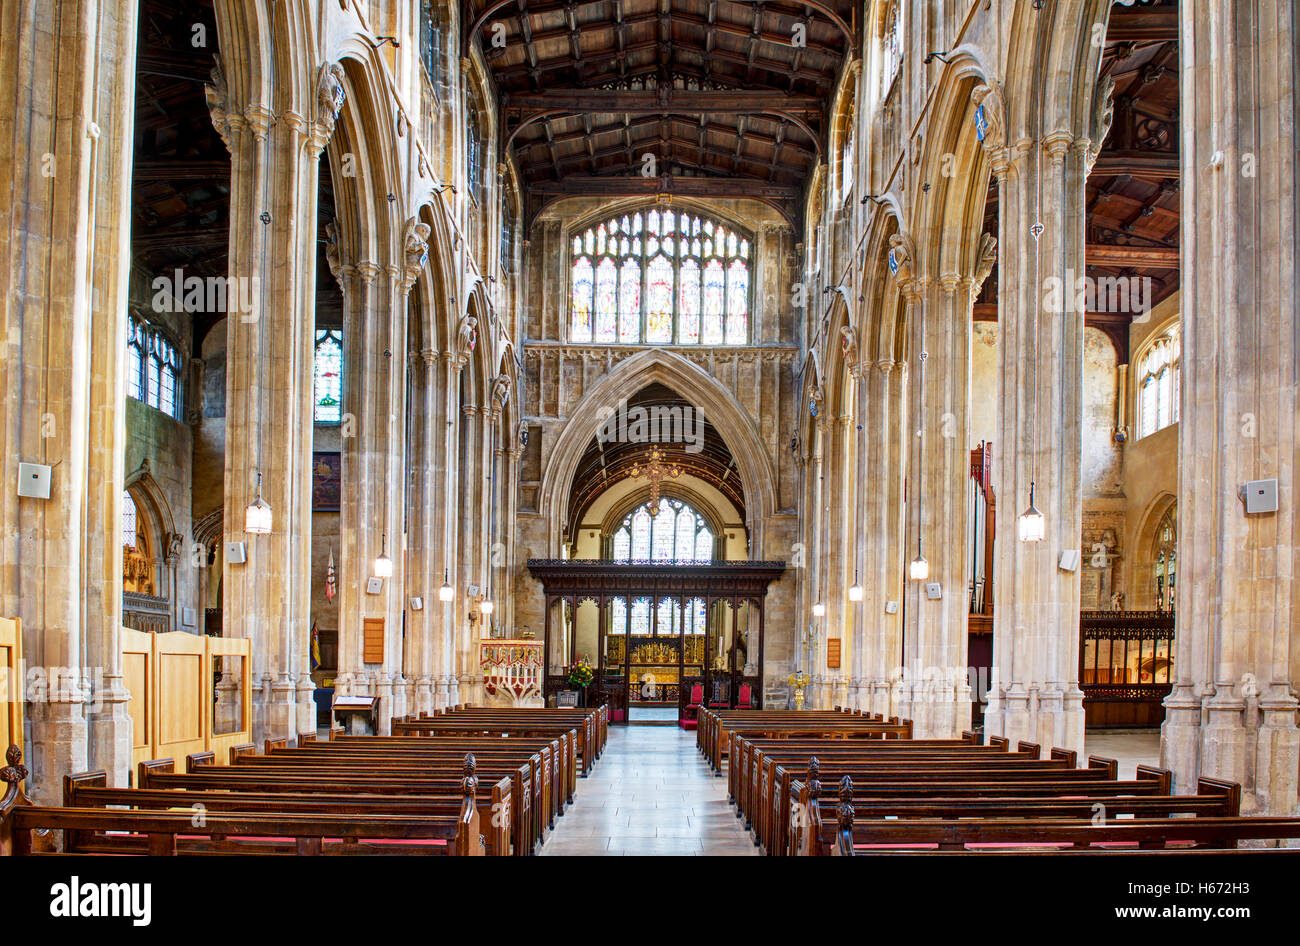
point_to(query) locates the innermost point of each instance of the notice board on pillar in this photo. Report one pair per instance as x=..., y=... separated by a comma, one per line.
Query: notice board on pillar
x=372, y=640
x=832, y=653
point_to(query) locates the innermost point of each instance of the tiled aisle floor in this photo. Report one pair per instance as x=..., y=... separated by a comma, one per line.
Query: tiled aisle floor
x=650, y=793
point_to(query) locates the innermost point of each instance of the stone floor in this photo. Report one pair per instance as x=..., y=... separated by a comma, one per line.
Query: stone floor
x=1130, y=747
x=650, y=793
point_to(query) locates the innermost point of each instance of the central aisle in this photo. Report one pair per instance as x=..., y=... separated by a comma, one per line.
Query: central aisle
x=650, y=793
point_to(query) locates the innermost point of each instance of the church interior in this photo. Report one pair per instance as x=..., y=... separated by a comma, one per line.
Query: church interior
x=423, y=410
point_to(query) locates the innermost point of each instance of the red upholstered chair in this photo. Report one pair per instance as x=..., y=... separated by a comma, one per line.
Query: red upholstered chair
x=690, y=714
x=743, y=701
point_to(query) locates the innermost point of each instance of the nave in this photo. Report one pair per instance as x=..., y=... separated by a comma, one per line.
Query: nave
x=651, y=794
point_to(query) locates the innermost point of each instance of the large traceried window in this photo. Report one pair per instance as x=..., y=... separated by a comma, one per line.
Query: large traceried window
x=660, y=277
x=153, y=368
x=1157, y=383
x=474, y=152
x=676, y=533
x=666, y=619
x=327, y=377
x=891, y=51
x=430, y=41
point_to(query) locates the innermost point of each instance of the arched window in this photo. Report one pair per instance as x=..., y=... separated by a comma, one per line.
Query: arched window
x=847, y=159
x=676, y=533
x=430, y=41
x=508, y=234
x=137, y=554
x=473, y=152
x=153, y=368
x=660, y=278
x=1157, y=383
x=1165, y=557
x=891, y=46
x=327, y=377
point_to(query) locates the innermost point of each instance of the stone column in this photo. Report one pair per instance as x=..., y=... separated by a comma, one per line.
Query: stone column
x=67, y=76
x=1232, y=712
x=939, y=481
x=1035, y=693
x=274, y=164
x=882, y=531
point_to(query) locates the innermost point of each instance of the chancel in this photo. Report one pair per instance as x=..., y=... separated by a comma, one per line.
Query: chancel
x=489, y=427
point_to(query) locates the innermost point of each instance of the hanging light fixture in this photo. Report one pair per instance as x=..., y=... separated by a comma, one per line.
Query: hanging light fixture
x=1031, y=526
x=383, y=564
x=855, y=590
x=257, y=517
x=918, y=569
x=446, y=592
x=486, y=607
x=819, y=610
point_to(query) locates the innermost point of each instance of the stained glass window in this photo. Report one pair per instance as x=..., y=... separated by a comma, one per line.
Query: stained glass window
x=153, y=368
x=669, y=620
x=640, y=623
x=675, y=533
x=1166, y=560
x=618, y=616
x=695, y=616
x=661, y=278
x=1157, y=382
x=327, y=375
x=128, y=520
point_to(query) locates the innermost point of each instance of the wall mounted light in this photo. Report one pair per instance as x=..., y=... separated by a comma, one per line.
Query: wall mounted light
x=257, y=517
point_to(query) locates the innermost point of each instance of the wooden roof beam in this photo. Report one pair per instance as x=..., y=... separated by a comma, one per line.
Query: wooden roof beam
x=664, y=100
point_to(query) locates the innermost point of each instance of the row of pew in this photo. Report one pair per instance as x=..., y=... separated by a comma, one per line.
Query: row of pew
x=466, y=782
x=835, y=783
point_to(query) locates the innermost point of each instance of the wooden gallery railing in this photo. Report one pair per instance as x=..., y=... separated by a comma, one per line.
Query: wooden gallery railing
x=1125, y=666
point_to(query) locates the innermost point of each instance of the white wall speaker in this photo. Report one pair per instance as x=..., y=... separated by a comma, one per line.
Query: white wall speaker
x=1260, y=496
x=1069, y=560
x=235, y=553
x=933, y=590
x=34, y=480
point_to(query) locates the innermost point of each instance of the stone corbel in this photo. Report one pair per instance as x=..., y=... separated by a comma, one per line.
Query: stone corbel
x=989, y=95
x=218, y=97
x=988, y=256
x=1103, y=114
x=330, y=96
x=466, y=338
x=415, y=250
x=1057, y=144
x=903, y=253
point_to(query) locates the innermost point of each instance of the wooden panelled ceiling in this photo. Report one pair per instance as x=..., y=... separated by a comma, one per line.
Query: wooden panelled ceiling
x=604, y=464
x=730, y=97
x=1132, y=222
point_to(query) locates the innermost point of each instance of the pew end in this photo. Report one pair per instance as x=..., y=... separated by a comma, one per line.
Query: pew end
x=1069, y=756
x=1164, y=777
x=197, y=760
x=152, y=767
x=241, y=750
x=1205, y=785
x=1032, y=749
x=1101, y=762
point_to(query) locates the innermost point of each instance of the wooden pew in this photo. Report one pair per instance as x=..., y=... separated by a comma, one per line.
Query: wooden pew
x=170, y=832
x=847, y=833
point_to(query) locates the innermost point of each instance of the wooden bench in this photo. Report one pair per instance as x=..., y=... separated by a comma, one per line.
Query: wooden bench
x=25, y=828
x=848, y=833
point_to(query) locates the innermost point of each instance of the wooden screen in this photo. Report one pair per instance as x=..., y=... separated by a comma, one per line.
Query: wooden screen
x=372, y=640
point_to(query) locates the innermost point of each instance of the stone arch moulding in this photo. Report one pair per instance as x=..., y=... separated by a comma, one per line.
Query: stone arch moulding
x=698, y=387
